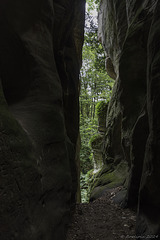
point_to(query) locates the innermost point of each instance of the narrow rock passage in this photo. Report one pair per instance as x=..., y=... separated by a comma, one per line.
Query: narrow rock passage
x=102, y=220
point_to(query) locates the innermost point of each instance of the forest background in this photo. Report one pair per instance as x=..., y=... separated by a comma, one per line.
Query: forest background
x=96, y=87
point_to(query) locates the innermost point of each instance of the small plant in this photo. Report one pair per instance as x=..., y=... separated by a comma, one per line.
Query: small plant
x=101, y=109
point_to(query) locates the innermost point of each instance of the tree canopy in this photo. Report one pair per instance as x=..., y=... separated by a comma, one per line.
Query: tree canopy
x=96, y=85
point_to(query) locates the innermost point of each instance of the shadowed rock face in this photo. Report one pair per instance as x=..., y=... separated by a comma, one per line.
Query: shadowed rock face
x=40, y=58
x=130, y=33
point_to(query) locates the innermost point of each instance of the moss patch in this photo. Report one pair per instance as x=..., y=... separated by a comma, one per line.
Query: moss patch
x=109, y=177
x=97, y=192
x=101, y=109
x=96, y=141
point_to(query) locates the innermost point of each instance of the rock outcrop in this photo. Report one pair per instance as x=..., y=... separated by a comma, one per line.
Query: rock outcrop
x=96, y=143
x=130, y=32
x=40, y=58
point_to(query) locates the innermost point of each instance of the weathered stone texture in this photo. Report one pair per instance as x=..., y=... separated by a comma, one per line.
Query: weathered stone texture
x=40, y=57
x=130, y=33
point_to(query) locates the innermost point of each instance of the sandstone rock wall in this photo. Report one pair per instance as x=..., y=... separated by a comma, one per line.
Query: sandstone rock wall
x=40, y=58
x=129, y=31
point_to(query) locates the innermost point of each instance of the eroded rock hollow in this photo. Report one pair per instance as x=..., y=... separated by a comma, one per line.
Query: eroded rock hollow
x=40, y=58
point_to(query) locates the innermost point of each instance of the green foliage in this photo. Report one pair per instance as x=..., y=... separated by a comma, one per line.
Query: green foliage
x=96, y=86
x=101, y=108
x=84, y=187
x=86, y=182
x=93, y=4
x=88, y=127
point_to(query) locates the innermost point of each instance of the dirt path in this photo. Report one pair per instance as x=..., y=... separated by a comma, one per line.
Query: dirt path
x=102, y=220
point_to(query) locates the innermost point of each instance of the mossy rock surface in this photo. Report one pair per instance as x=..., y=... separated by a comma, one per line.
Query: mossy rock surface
x=109, y=177
x=96, y=141
x=97, y=192
x=101, y=109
